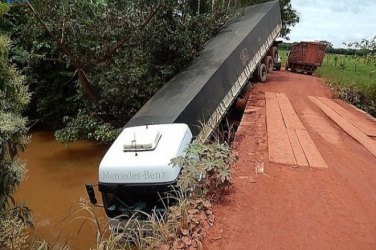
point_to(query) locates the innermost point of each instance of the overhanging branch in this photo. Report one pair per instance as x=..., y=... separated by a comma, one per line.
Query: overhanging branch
x=112, y=51
x=60, y=42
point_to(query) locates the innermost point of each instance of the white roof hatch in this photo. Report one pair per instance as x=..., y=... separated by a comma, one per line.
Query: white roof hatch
x=146, y=140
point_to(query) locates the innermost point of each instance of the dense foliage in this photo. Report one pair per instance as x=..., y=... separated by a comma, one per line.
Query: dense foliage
x=47, y=72
x=92, y=64
x=14, y=97
x=123, y=80
x=206, y=168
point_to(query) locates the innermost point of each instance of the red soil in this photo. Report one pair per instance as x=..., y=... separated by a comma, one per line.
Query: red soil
x=291, y=207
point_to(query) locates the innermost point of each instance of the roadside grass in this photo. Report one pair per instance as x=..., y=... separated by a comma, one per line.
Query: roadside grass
x=352, y=78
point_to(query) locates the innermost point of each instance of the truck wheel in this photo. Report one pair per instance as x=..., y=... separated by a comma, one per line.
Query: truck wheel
x=262, y=72
x=274, y=54
x=293, y=69
x=309, y=73
x=268, y=61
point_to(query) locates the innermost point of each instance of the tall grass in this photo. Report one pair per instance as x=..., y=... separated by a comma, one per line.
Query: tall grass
x=179, y=227
x=352, y=78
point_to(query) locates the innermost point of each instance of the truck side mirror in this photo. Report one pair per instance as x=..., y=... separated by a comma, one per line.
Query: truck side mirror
x=90, y=191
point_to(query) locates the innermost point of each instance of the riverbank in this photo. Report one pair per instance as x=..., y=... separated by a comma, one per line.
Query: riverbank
x=55, y=185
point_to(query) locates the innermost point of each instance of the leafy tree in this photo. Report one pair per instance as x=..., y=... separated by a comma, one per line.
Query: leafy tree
x=92, y=64
x=125, y=80
x=14, y=97
x=90, y=33
x=48, y=73
x=290, y=17
x=365, y=48
x=328, y=44
x=77, y=36
x=3, y=8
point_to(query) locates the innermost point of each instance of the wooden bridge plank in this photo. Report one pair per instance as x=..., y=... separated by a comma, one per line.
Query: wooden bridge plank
x=290, y=117
x=348, y=127
x=299, y=154
x=305, y=151
x=279, y=147
x=310, y=150
x=364, y=125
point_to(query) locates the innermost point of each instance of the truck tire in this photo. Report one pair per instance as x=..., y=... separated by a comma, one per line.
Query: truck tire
x=293, y=68
x=262, y=72
x=309, y=73
x=274, y=54
x=268, y=61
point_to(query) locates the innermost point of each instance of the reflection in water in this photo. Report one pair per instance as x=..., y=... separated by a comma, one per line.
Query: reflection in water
x=55, y=185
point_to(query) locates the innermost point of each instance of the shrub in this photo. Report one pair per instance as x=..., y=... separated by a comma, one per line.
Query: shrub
x=205, y=169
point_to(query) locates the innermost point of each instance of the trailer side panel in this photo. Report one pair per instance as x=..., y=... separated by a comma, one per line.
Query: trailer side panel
x=194, y=95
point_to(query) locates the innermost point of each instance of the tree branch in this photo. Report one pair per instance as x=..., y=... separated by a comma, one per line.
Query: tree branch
x=112, y=51
x=60, y=43
x=62, y=32
x=79, y=65
x=84, y=82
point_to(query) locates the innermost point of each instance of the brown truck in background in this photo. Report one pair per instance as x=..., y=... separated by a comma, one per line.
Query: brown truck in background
x=306, y=57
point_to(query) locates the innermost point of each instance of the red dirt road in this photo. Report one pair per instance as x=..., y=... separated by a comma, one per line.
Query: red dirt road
x=291, y=207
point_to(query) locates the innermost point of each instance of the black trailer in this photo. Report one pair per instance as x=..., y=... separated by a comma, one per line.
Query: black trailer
x=199, y=97
x=201, y=94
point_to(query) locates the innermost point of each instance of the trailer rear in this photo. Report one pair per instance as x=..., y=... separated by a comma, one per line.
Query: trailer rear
x=306, y=57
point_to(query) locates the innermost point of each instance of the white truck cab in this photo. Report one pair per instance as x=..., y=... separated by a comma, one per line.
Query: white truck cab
x=136, y=171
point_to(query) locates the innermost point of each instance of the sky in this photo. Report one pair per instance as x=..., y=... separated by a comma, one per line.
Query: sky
x=336, y=21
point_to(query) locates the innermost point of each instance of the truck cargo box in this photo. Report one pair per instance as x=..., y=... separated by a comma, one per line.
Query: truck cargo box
x=204, y=91
x=306, y=56
x=135, y=174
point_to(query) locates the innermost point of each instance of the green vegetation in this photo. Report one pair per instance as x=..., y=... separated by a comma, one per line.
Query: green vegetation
x=353, y=79
x=283, y=54
x=92, y=64
x=14, y=98
x=206, y=167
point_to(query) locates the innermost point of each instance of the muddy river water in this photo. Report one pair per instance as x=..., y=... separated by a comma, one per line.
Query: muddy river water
x=55, y=188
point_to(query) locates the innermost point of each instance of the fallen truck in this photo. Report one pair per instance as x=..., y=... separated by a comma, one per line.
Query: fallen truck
x=136, y=172
x=306, y=57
